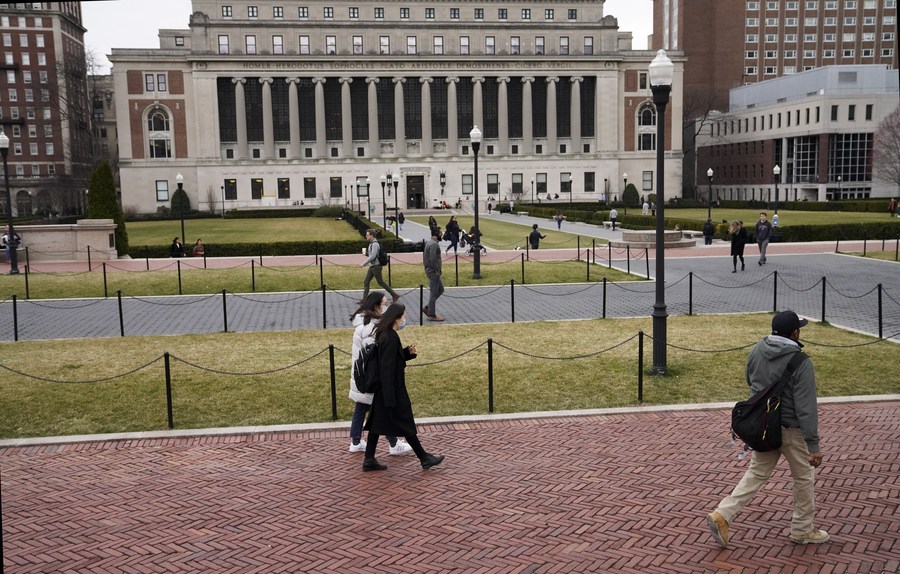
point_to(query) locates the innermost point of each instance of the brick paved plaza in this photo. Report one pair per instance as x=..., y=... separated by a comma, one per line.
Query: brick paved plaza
x=621, y=492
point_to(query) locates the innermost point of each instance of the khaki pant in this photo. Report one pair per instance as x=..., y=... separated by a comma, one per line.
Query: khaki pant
x=762, y=464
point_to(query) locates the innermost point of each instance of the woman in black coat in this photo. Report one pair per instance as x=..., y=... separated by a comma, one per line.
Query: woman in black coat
x=391, y=412
x=738, y=240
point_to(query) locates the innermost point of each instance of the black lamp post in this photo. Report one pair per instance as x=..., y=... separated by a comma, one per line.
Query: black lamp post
x=776, y=172
x=475, y=138
x=223, y=202
x=396, y=182
x=369, y=195
x=625, y=179
x=570, y=182
x=13, y=261
x=443, y=180
x=709, y=176
x=839, y=187
x=661, y=73
x=383, y=204
x=532, y=190
x=179, y=179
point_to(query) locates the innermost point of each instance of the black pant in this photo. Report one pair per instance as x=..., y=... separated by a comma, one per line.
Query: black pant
x=372, y=442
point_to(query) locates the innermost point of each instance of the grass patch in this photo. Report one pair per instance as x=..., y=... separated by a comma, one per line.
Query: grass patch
x=243, y=279
x=214, y=231
x=507, y=235
x=522, y=380
x=890, y=255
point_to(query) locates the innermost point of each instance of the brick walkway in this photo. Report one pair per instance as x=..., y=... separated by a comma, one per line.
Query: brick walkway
x=598, y=493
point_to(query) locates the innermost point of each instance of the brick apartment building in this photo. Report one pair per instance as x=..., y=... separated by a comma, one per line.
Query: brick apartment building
x=44, y=108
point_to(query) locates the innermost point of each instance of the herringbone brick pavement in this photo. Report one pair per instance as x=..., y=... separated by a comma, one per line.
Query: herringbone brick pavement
x=601, y=493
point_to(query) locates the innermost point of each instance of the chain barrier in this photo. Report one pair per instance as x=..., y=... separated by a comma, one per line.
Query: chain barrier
x=33, y=271
x=805, y=342
x=252, y=300
x=554, y=261
x=278, y=269
x=87, y=382
x=323, y=260
x=766, y=278
x=248, y=374
x=888, y=295
x=533, y=290
x=63, y=307
x=448, y=359
x=797, y=289
x=573, y=357
x=192, y=299
x=869, y=292
x=468, y=294
x=826, y=345
x=651, y=284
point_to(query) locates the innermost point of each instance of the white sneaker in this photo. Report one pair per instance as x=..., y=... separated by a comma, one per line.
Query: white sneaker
x=361, y=447
x=400, y=448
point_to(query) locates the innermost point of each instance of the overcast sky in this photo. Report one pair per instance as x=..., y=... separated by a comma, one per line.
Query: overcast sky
x=134, y=23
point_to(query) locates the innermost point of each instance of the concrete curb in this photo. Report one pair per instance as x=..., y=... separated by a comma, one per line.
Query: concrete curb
x=230, y=431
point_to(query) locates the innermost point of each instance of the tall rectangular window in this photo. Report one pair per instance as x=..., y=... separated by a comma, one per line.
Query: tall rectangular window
x=463, y=45
x=357, y=45
x=540, y=183
x=515, y=45
x=439, y=45
x=384, y=43
x=493, y=184
x=489, y=45
x=278, y=44
x=250, y=44
x=161, y=82
x=162, y=190
x=411, y=45
x=257, y=189
x=563, y=45
x=517, y=183
x=467, y=188
x=309, y=188
x=331, y=45
x=223, y=44
x=284, y=188
x=588, y=45
x=149, y=83
x=230, y=189
x=304, y=44
x=539, y=45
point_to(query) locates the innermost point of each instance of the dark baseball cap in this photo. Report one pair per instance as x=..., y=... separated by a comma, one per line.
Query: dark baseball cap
x=787, y=322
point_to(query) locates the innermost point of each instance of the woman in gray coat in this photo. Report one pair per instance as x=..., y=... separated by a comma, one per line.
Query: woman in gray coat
x=391, y=412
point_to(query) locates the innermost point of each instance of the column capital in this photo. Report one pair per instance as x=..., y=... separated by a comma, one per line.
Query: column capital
x=552, y=79
x=452, y=80
x=478, y=80
x=574, y=79
x=503, y=80
x=398, y=80
x=318, y=80
x=266, y=81
x=292, y=80
x=238, y=81
x=426, y=80
x=345, y=80
x=374, y=80
x=527, y=79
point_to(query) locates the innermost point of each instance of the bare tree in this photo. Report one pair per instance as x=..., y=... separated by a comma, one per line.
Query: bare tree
x=887, y=149
x=211, y=199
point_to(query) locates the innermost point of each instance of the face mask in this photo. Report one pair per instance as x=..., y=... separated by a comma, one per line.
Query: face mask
x=384, y=308
x=402, y=324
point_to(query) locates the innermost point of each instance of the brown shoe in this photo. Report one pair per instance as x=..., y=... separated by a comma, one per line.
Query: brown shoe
x=817, y=536
x=435, y=318
x=718, y=527
x=396, y=298
x=425, y=310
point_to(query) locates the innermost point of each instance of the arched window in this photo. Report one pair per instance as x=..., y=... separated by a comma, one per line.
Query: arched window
x=646, y=127
x=159, y=134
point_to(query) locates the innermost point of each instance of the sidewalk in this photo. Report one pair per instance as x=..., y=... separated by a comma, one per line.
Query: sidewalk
x=624, y=491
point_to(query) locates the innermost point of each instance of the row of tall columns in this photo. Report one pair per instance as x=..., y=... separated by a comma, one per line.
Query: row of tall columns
x=399, y=115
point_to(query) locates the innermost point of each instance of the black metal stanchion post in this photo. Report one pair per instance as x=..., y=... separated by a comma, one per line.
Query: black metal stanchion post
x=587, y=261
x=171, y=416
x=224, y=311
x=527, y=249
x=456, y=266
x=880, y=315
x=333, y=383
x=253, y=276
x=775, y=293
x=121, y=316
x=690, y=293
x=640, y=366
x=390, y=278
x=865, y=242
x=27, y=288
x=421, y=304
x=512, y=299
x=647, y=259
x=324, y=306
x=105, y=286
x=179, y=276
x=522, y=257
x=578, y=248
x=594, y=250
x=628, y=258
x=604, y=297
x=204, y=259
x=321, y=272
x=15, y=318
x=609, y=258
x=147, y=262
x=89, y=258
x=260, y=254
x=823, y=299
x=490, y=343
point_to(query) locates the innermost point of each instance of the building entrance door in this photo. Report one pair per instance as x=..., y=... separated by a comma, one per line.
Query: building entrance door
x=415, y=192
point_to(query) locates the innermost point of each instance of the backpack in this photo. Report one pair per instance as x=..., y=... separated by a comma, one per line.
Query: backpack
x=366, y=369
x=757, y=421
x=382, y=255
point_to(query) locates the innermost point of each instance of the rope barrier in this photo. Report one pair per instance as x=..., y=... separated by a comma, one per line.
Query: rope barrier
x=573, y=357
x=87, y=382
x=248, y=374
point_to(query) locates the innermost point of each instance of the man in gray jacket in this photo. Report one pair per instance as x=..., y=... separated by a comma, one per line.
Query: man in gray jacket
x=431, y=259
x=800, y=434
x=375, y=267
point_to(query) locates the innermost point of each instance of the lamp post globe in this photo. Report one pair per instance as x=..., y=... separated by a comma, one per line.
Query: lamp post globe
x=11, y=231
x=475, y=139
x=662, y=72
x=179, y=180
x=709, y=177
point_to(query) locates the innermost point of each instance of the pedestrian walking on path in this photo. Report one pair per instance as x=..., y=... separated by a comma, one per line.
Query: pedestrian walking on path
x=559, y=219
x=452, y=234
x=431, y=259
x=763, y=234
x=534, y=238
x=613, y=216
x=738, y=241
x=391, y=408
x=708, y=231
x=375, y=261
x=364, y=320
x=766, y=364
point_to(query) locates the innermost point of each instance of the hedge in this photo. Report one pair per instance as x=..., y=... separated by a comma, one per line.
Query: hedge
x=856, y=205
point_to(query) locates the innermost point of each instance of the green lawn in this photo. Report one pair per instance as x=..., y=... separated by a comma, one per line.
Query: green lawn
x=213, y=231
x=449, y=377
x=785, y=217
x=244, y=279
x=507, y=235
